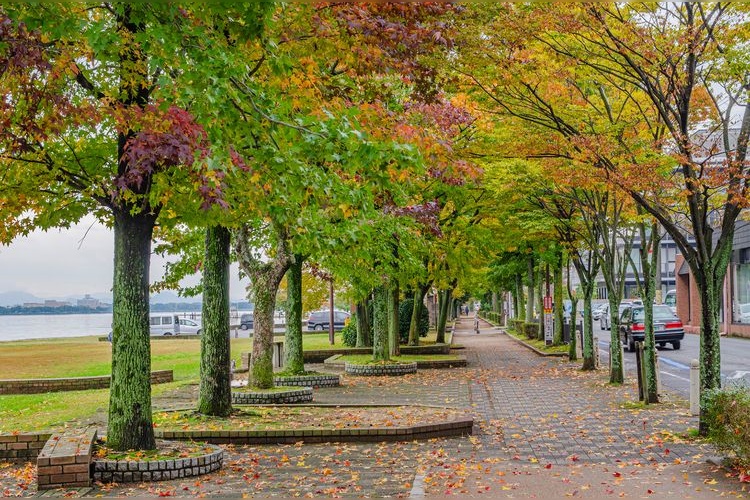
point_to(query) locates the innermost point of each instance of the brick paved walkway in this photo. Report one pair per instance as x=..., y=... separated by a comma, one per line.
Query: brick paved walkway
x=544, y=429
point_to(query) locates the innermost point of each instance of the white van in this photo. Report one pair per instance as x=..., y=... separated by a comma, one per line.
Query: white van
x=171, y=324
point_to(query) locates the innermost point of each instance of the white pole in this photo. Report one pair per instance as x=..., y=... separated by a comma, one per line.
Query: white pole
x=695, y=382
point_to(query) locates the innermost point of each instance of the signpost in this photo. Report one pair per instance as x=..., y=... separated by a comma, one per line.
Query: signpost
x=548, y=332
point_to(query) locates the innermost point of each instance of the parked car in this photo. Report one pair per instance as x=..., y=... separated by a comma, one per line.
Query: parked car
x=596, y=314
x=247, y=321
x=604, y=320
x=319, y=320
x=171, y=324
x=667, y=326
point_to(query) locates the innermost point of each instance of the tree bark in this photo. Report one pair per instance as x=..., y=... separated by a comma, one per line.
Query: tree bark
x=444, y=299
x=294, y=362
x=416, y=314
x=215, y=389
x=531, y=287
x=573, y=296
x=363, y=325
x=558, y=293
x=540, y=303
x=380, y=349
x=394, y=336
x=589, y=359
x=130, y=425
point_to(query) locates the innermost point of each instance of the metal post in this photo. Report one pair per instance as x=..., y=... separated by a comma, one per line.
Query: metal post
x=658, y=374
x=695, y=382
x=639, y=371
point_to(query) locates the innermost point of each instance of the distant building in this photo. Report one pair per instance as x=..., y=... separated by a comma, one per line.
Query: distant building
x=89, y=301
x=29, y=305
x=56, y=303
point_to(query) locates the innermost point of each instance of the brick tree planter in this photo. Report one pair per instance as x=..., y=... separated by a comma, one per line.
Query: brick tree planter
x=65, y=460
x=290, y=396
x=458, y=427
x=41, y=385
x=374, y=370
x=320, y=380
x=22, y=447
x=124, y=471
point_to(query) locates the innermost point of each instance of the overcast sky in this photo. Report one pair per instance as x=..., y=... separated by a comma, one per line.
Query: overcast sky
x=61, y=263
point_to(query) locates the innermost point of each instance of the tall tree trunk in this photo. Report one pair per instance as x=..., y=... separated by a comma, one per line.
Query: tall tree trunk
x=130, y=425
x=573, y=296
x=540, y=303
x=530, y=285
x=394, y=336
x=589, y=356
x=215, y=390
x=519, y=306
x=294, y=361
x=443, y=303
x=380, y=349
x=265, y=279
x=416, y=314
x=363, y=325
x=558, y=293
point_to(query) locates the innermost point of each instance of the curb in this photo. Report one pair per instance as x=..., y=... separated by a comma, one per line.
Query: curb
x=537, y=351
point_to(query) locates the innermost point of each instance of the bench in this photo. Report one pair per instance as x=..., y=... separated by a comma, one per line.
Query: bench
x=65, y=460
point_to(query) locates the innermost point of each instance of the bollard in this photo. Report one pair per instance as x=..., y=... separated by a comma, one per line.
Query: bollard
x=695, y=382
x=658, y=374
x=596, y=353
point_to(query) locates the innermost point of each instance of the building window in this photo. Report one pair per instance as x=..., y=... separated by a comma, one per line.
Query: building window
x=741, y=291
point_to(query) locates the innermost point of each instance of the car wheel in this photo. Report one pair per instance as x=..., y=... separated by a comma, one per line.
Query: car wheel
x=601, y=324
x=243, y=326
x=167, y=334
x=676, y=345
x=198, y=332
x=318, y=328
x=631, y=344
x=662, y=344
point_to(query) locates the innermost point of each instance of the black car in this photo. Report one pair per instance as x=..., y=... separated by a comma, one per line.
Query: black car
x=667, y=327
x=247, y=321
x=319, y=320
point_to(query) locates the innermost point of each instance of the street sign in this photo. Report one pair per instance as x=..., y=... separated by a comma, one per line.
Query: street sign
x=548, y=333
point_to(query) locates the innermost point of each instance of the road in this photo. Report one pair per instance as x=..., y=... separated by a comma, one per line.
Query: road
x=674, y=366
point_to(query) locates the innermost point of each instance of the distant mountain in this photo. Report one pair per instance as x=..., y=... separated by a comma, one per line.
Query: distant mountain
x=16, y=298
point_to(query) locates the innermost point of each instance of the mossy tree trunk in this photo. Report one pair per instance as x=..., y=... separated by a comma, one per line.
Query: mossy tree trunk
x=557, y=338
x=530, y=286
x=573, y=296
x=444, y=300
x=416, y=314
x=130, y=425
x=540, y=303
x=265, y=278
x=519, y=305
x=380, y=349
x=215, y=390
x=294, y=361
x=364, y=331
x=393, y=320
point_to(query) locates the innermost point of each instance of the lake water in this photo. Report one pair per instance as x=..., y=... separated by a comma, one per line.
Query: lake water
x=54, y=326
x=45, y=326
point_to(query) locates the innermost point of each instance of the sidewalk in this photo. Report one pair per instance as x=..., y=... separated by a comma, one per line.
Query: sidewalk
x=544, y=429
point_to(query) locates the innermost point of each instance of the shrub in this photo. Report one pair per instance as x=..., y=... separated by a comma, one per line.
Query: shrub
x=405, y=309
x=531, y=330
x=517, y=325
x=349, y=333
x=727, y=415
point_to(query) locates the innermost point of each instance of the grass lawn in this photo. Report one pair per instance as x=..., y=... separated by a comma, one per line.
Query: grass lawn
x=362, y=359
x=539, y=344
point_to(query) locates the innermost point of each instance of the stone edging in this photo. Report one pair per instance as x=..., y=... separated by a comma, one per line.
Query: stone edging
x=320, y=380
x=458, y=427
x=41, y=385
x=537, y=351
x=460, y=361
x=22, y=446
x=123, y=471
x=395, y=369
x=293, y=395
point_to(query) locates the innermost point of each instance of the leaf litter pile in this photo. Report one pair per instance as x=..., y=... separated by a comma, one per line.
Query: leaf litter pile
x=299, y=417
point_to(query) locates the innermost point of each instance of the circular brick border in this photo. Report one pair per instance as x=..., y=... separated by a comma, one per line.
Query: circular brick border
x=320, y=380
x=394, y=369
x=132, y=471
x=292, y=395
